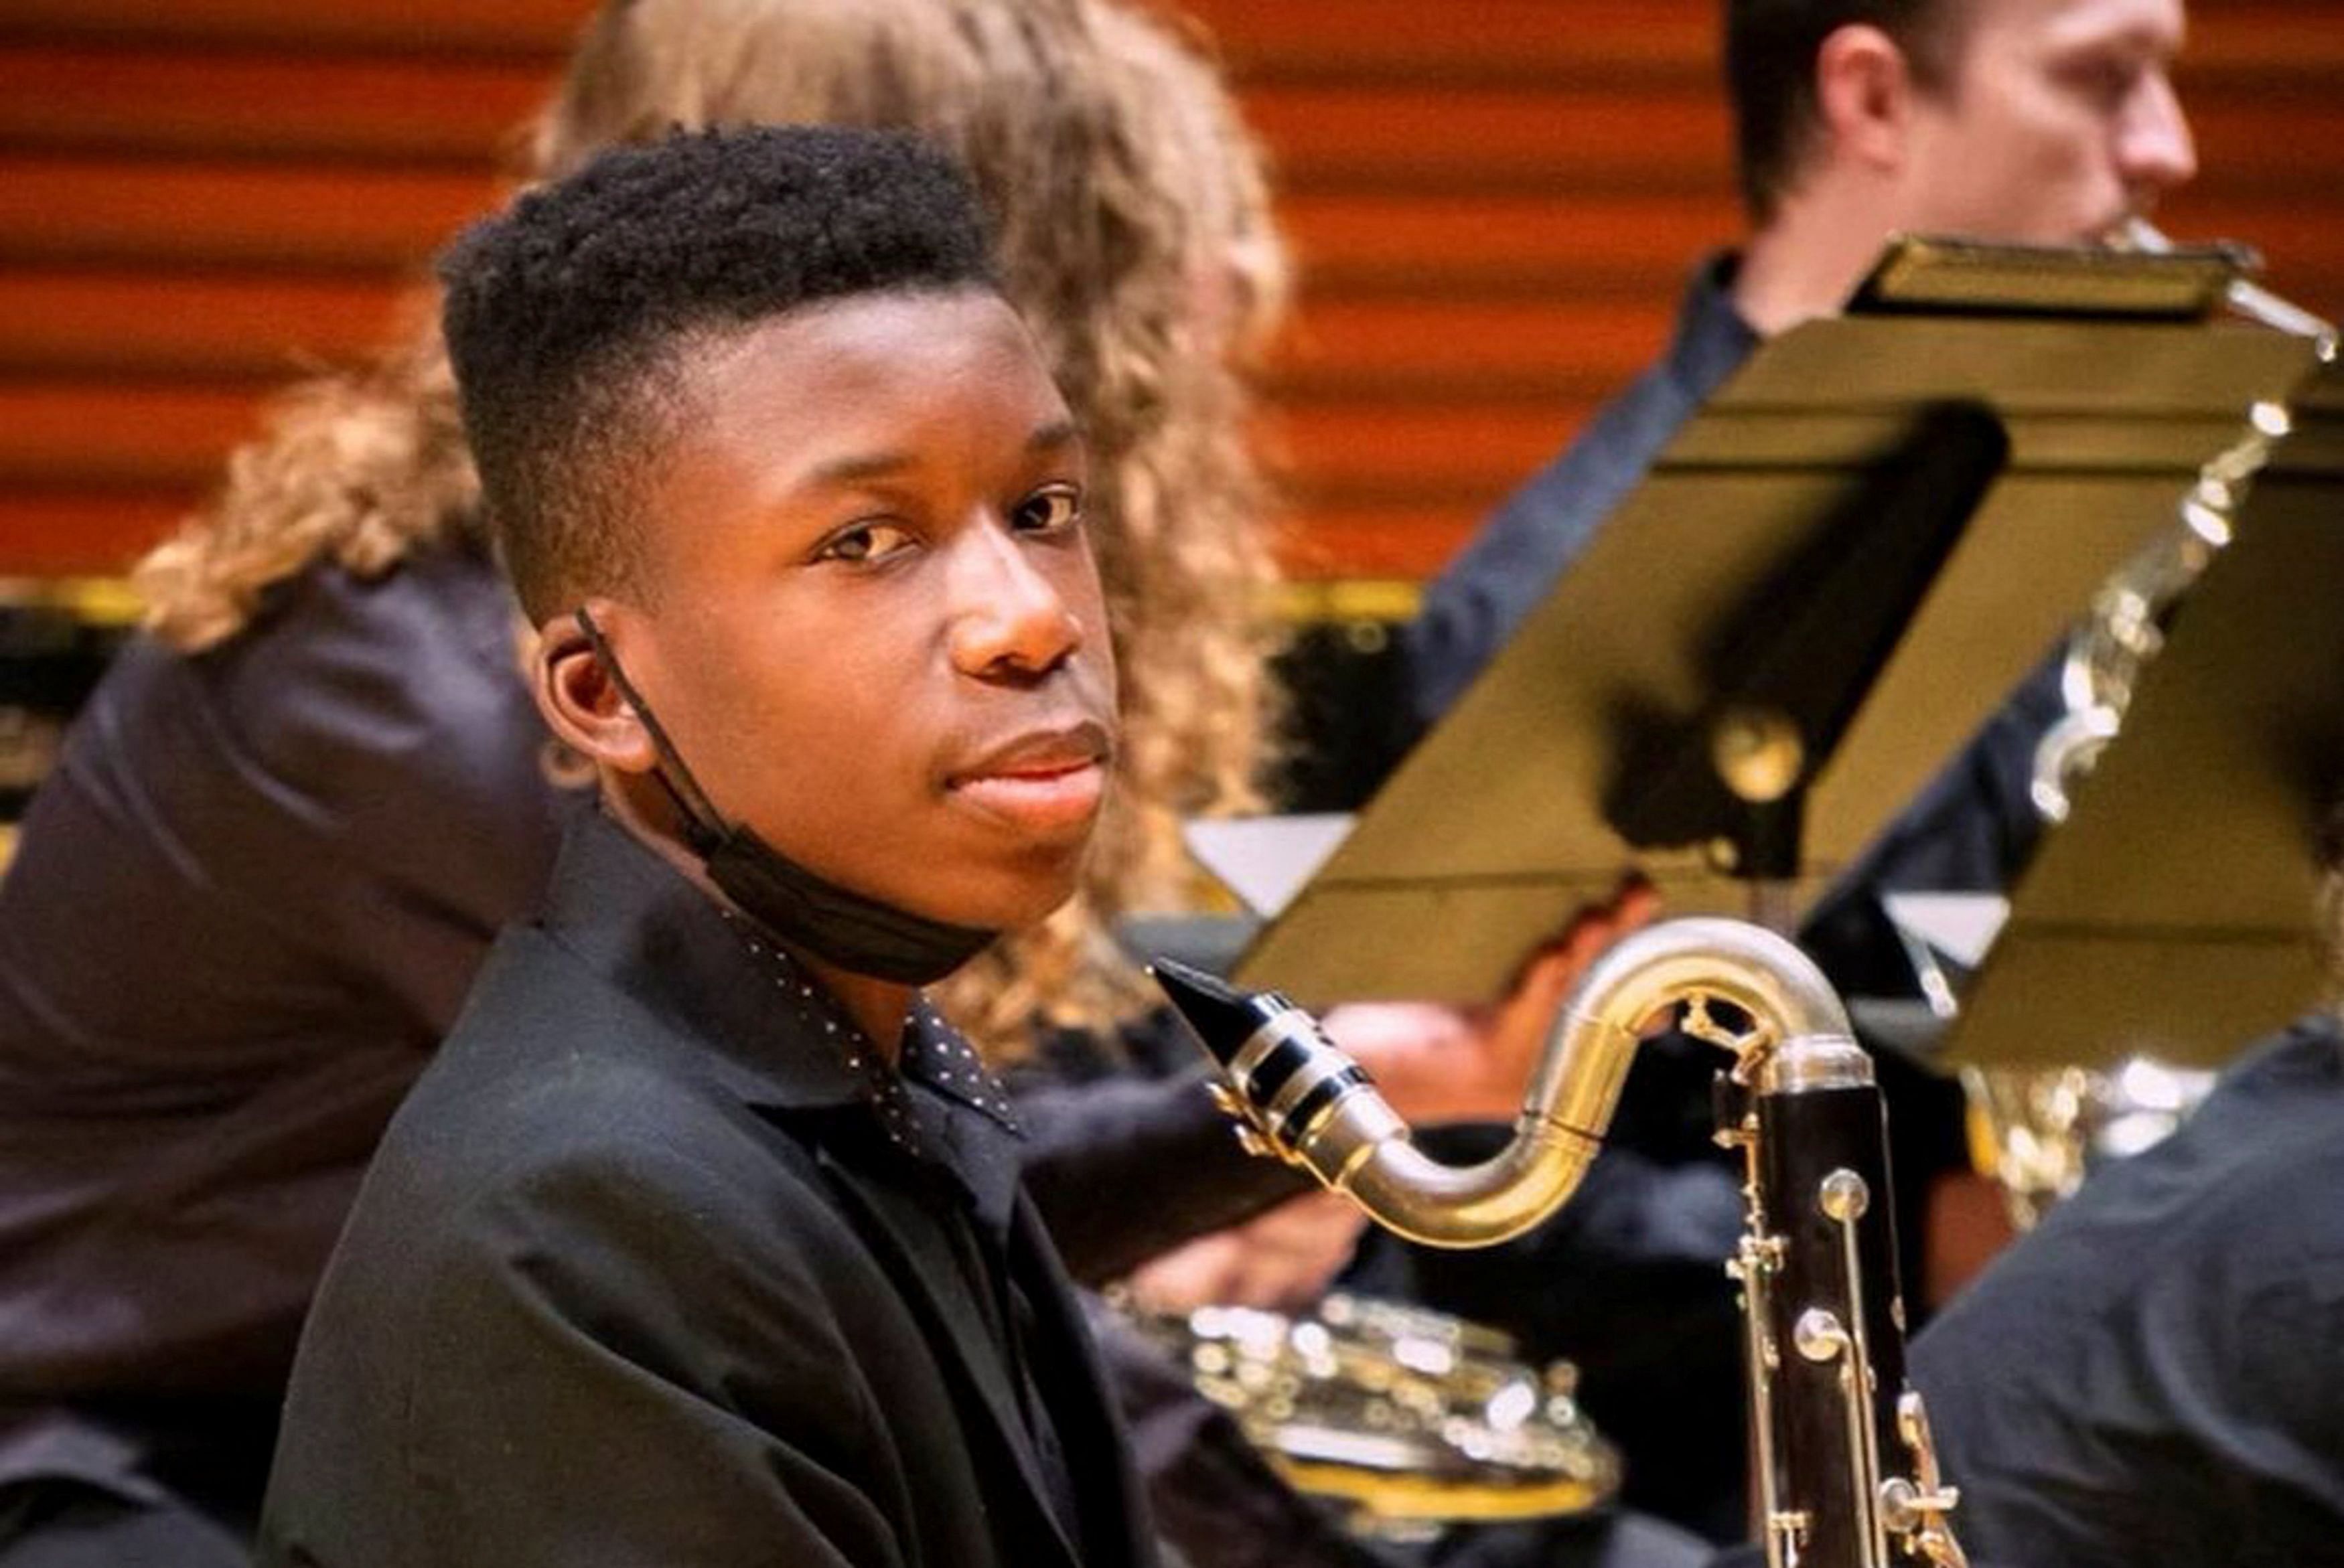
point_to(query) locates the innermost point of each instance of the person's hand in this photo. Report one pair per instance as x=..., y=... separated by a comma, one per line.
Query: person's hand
x=1439, y=1063
x=1278, y=1261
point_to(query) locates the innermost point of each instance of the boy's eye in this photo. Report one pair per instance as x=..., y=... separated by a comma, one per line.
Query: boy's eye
x=1049, y=511
x=864, y=543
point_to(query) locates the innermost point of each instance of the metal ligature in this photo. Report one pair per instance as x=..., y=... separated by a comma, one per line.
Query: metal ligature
x=1846, y=1472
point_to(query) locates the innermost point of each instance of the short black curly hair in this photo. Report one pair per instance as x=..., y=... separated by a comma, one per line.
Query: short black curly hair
x=569, y=315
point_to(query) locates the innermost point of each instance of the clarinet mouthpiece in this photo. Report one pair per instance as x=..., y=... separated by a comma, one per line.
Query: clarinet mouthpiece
x=1219, y=1014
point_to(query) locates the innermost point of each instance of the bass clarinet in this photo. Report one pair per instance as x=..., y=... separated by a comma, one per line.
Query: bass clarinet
x=1846, y=1476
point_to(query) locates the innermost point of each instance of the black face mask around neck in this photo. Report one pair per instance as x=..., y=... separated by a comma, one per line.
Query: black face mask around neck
x=797, y=907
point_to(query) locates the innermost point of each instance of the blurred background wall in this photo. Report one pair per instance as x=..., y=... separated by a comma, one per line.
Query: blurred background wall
x=1494, y=202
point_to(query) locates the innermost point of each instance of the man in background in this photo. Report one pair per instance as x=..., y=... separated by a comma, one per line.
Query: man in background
x=2046, y=122
x=2041, y=121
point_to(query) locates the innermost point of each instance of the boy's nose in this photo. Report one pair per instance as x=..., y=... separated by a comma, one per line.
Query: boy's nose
x=1009, y=617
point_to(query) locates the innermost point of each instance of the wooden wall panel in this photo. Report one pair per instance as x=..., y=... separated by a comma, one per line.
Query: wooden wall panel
x=281, y=217
x=134, y=323
x=529, y=29
x=1494, y=203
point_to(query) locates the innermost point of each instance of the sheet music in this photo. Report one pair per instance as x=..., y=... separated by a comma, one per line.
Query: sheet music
x=1266, y=860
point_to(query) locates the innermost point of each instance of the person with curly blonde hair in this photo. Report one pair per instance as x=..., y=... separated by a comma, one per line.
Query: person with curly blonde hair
x=1123, y=187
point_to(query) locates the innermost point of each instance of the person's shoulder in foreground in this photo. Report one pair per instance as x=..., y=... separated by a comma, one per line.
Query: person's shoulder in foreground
x=2157, y=1373
x=701, y=1239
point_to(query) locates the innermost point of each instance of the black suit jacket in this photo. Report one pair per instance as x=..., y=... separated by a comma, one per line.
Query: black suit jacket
x=635, y=1279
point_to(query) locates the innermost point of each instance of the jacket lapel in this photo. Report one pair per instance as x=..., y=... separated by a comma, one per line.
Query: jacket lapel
x=893, y=1220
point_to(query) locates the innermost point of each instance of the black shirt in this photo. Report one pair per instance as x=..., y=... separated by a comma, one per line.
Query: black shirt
x=246, y=907
x=2155, y=1374
x=658, y=1264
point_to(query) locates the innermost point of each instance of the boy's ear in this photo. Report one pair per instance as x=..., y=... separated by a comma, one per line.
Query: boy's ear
x=581, y=702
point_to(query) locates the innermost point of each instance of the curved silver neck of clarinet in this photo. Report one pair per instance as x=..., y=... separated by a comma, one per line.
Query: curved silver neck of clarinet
x=1300, y=1098
x=1845, y=1470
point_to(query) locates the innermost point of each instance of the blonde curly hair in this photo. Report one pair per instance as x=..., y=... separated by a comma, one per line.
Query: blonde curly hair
x=1134, y=233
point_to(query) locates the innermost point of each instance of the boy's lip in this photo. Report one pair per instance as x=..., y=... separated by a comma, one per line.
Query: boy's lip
x=1039, y=778
x=1039, y=753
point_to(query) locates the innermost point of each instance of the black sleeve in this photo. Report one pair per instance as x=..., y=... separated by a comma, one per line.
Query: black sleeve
x=611, y=1366
x=309, y=833
x=388, y=724
x=1127, y=1156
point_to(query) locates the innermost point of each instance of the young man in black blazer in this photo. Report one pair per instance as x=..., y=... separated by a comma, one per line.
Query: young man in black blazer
x=701, y=1239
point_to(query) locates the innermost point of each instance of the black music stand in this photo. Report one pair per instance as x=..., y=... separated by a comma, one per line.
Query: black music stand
x=1701, y=633
x=2171, y=915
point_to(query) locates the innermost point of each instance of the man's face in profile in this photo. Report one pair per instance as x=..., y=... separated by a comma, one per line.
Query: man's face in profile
x=870, y=618
x=2057, y=123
